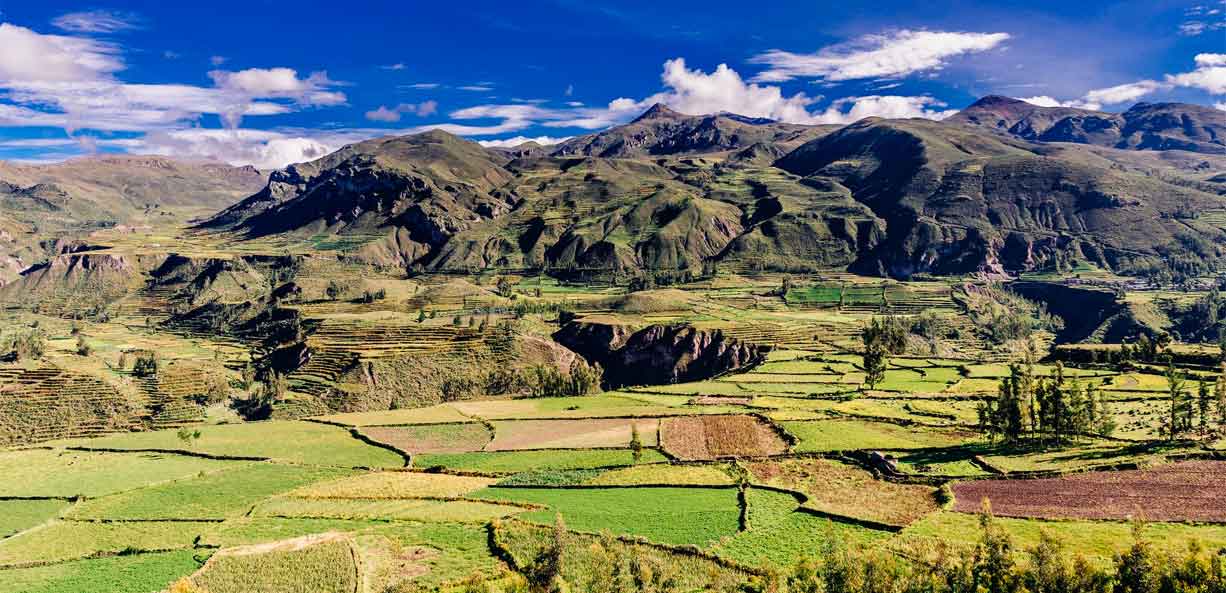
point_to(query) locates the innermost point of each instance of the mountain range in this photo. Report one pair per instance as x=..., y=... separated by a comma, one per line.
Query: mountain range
x=1002, y=187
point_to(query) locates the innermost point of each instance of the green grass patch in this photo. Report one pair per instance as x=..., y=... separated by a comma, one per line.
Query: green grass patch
x=19, y=515
x=846, y=435
x=520, y=461
x=779, y=537
x=398, y=510
x=697, y=516
x=42, y=472
x=1097, y=540
x=138, y=573
x=549, y=477
x=219, y=495
x=258, y=530
x=302, y=442
x=72, y=540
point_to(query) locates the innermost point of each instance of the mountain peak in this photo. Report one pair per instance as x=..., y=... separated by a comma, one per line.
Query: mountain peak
x=658, y=111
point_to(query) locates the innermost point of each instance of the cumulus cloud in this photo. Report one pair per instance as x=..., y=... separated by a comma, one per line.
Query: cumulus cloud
x=896, y=53
x=1123, y=93
x=517, y=140
x=30, y=56
x=850, y=109
x=393, y=114
x=259, y=148
x=1209, y=75
x=97, y=21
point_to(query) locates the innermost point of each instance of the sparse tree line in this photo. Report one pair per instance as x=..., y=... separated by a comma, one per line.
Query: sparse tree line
x=543, y=380
x=993, y=564
x=1050, y=410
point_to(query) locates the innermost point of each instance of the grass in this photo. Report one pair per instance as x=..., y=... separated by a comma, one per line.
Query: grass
x=549, y=477
x=440, y=414
x=447, y=551
x=840, y=489
x=42, y=472
x=848, y=435
x=596, y=563
x=389, y=509
x=19, y=515
x=518, y=461
x=1097, y=540
x=259, y=530
x=432, y=438
x=691, y=475
x=214, y=496
x=138, y=573
x=779, y=537
x=302, y=442
x=71, y=540
x=394, y=485
x=326, y=567
x=697, y=516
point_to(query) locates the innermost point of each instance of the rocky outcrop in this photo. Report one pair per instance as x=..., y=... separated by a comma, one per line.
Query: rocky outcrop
x=664, y=354
x=593, y=341
x=658, y=354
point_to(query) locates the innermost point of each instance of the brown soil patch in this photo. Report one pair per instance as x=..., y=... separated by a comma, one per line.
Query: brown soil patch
x=571, y=434
x=1188, y=491
x=711, y=437
x=840, y=489
x=443, y=438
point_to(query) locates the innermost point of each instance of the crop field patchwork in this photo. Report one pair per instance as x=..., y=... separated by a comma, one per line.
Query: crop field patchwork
x=503, y=462
x=47, y=472
x=848, y=435
x=134, y=573
x=322, y=564
x=394, y=484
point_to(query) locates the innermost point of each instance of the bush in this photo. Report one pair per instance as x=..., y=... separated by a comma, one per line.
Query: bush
x=30, y=345
x=146, y=365
x=83, y=347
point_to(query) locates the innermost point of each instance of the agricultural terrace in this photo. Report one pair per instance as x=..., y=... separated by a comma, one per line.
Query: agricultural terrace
x=818, y=446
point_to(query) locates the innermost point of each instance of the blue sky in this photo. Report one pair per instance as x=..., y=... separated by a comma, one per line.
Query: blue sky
x=269, y=83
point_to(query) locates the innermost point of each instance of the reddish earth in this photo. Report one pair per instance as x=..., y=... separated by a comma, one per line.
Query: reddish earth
x=1188, y=491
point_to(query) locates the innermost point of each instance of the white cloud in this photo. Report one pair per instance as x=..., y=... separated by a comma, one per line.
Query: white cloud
x=895, y=53
x=30, y=56
x=262, y=149
x=1209, y=75
x=517, y=140
x=1043, y=101
x=218, y=60
x=570, y=90
x=477, y=88
x=1123, y=93
x=425, y=86
x=170, y=55
x=696, y=92
x=1221, y=106
x=396, y=66
x=393, y=114
x=850, y=109
x=97, y=21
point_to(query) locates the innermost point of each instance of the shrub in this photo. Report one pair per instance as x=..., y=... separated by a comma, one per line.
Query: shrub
x=146, y=364
x=83, y=347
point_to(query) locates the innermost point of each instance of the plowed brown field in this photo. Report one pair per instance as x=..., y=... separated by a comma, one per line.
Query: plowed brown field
x=711, y=437
x=1187, y=491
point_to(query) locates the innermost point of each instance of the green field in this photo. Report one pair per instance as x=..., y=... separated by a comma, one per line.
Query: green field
x=697, y=516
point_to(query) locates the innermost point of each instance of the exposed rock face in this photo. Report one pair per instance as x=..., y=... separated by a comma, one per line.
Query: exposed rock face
x=661, y=354
x=658, y=354
x=593, y=341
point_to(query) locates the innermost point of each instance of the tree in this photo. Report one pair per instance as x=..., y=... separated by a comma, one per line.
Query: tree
x=875, y=360
x=993, y=564
x=1137, y=569
x=146, y=364
x=636, y=444
x=334, y=290
x=188, y=436
x=421, y=315
x=83, y=347
x=1203, y=404
x=504, y=287
x=1219, y=396
x=456, y=321
x=1179, y=410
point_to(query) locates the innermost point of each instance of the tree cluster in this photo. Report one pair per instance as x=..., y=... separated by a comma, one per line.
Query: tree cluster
x=1049, y=410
